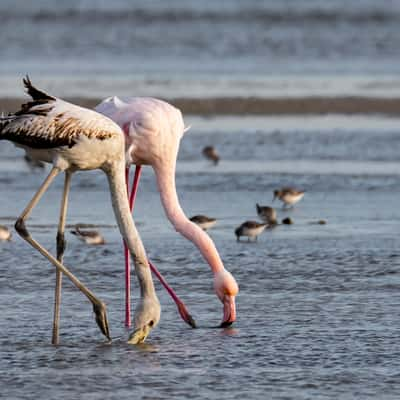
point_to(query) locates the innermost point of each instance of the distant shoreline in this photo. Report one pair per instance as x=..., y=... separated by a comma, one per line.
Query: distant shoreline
x=314, y=105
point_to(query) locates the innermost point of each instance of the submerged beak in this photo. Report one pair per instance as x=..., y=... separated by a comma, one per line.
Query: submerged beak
x=139, y=335
x=229, y=311
x=184, y=313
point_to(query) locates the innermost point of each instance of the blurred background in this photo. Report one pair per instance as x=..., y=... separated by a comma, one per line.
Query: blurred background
x=187, y=48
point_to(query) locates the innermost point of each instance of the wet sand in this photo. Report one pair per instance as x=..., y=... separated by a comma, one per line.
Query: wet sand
x=348, y=105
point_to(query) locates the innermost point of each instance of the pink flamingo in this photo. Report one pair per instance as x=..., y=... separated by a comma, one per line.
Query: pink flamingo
x=153, y=130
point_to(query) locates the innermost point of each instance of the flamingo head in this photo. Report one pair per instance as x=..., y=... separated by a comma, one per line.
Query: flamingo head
x=147, y=316
x=226, y=289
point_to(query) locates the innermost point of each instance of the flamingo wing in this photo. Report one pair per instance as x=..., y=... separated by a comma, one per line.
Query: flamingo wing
x=48, y=122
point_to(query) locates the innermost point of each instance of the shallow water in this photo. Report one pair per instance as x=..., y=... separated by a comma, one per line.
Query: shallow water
x=318, y=310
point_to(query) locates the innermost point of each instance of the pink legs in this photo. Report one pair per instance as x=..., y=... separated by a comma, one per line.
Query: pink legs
x=184, y=313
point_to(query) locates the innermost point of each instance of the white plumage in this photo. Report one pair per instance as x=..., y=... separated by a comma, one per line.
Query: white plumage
x=58, y=132
x=152, y=127
x=74, y=138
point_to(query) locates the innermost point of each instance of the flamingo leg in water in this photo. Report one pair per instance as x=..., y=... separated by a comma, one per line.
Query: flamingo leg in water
x=60, y=255
x=132, y=196
x=127, y=267
x=183, y=311
x=99, y=307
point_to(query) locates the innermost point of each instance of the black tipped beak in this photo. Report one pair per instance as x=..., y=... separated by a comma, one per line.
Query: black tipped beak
x=184, y=313
x=101, y=319
x=191, y=321
x=225, y=324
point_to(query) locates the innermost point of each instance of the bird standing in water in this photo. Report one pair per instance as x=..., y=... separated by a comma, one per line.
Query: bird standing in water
x=88, y=236
x=203, y=221
x=251, y=229
x=5, y=233
x=33, y=164
x=267, y=214
x=288, y=196
x=211, y=154
x=153, y=131
x=73, y=138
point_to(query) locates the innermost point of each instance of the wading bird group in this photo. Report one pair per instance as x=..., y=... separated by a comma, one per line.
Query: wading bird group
x=252, y=229
x=118, y=134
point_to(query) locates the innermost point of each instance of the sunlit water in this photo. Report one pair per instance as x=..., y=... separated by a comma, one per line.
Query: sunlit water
x=319, y=305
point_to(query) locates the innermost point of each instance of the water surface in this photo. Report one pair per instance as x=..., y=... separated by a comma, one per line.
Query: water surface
x=318, y=309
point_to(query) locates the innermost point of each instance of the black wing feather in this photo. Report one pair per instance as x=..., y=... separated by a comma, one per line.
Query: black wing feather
x=39, y=98
x=38, y=142
x=35, y=93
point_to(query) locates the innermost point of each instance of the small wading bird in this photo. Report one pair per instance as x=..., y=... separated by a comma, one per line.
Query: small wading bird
x=267, y=214
x=72, y=139
x=5, y=233
x=89, y=237
x=251, y=229
x=211, y=154
x=153, y=131
x=288, y=196
x=33, y=164
x=203, y=221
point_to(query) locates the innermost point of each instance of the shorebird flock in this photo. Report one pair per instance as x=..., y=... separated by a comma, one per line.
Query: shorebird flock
x=267, y=214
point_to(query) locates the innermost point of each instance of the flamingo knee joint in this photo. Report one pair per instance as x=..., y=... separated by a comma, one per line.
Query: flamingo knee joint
x=20, y=227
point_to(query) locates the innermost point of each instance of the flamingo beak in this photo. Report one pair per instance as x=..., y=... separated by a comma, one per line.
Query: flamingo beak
x=186, y=316
x=139, y=335
x=229, y=311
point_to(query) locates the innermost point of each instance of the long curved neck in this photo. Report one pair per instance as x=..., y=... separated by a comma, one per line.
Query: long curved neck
x=120, y=203
x=165, y=175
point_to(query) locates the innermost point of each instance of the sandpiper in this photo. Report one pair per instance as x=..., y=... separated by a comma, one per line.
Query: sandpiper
x=32, y=163
x=288, y=196
x=267, y=214
x=251, y=229
x=211, y=154
x=203, y=221
x=89, y=237
x=5, y=233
